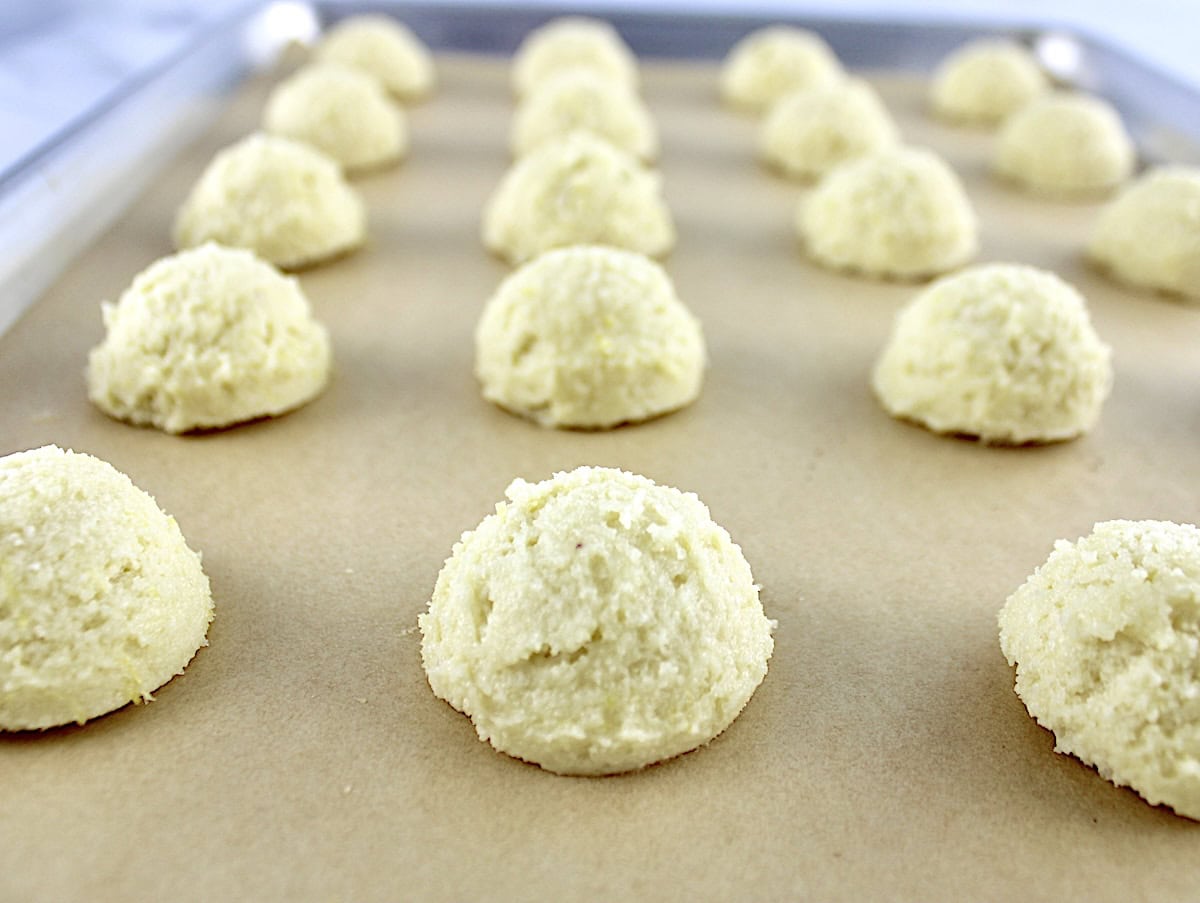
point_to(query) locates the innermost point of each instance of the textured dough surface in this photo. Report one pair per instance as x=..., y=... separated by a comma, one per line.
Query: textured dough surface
x=208, y=338
x=774, y=61
x=570, y=42
x=897, y=213
x=589, y=337
x=283, y=200
x=385, y=49
x=102, y=602
x=577, y=190
x=595, y=624
x=1004, y=352
x=1105, y=637
x=985, y=81
x=1149, y=235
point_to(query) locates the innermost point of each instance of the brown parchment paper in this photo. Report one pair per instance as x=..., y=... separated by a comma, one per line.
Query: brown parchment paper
x=303, y=757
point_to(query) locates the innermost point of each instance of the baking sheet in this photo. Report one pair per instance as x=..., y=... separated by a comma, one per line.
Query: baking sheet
x=302, y=755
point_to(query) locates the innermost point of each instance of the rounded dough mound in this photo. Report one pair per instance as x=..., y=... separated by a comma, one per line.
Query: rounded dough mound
x=1003, y=352
x=582, y=100
x=208, y=338
x=340, y=111
x=774, y=61
x=1105, y=638
x=285, y=201
x=1149, y=235
x=986, y=80
x=570, y=42
x=589, y=337
x=595, y=624
x=809, y=132
x=102, y=600
x=385, y=49
x=576, y=190
x=899, y=213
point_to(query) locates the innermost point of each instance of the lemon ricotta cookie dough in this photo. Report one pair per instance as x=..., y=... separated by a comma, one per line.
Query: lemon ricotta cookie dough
x=384, y=48
x=1002, y=352
x=1149, y=235
x=985, y=81
x=571, y=42
x=899, y=213
x=208, y=338
x=771, y=62
x=102, y=600
x=595, y=624
x=1105, y=637
x=589, y=337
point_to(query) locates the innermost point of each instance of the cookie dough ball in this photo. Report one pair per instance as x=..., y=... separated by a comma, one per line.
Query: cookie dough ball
x=1104, y=637
x=898, y=213
x=207, y=338
x=383, y=48
x=1150, y=234
x=775, y=61
x=571, y=42
x=285, y=201
x=985, y=81
x=596, y=623
x=577, y=190
x=583, y=100
x=1003, y=352
x=589, y=337
x=809, y=132
x=341, y=111
x=103, y=601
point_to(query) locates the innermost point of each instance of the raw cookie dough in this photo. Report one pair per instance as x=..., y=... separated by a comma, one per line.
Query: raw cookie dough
x=570, y=42
x=575, y=190
x=589, y=337
x=208, y=338
x=102, y=600
x=897, y=213
x=985, y=81
x=774, y=61
x=1105, y=638
x=809, y=132
x=385, y=49
x=595, y=624
x=581, y=99
x=341, y=111
x=1149, y=235
x=1003, y=352
x=284, y=200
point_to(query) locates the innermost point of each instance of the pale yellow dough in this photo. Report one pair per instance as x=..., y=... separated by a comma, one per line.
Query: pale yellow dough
x=385, y=49
x=208, y=338
x=985, y=81
x=589, y=337
x=1105, y=637
x=595, y=624
x=570, y=42
x=774, y=61
x=102, y=600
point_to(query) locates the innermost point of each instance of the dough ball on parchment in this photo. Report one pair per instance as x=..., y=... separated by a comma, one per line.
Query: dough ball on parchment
x=985, y=81
x=102, y=601
x=899, y=213
x=575, y=190
x=385, y=49
x=570, y=42
x=1105, y=637
x=1003, y=352
x=208, y=338
x=589, y=337
x=596, y=623
x=774, y=61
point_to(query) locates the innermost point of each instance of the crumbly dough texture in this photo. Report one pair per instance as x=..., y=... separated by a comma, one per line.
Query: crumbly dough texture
x=774, y=61
x=1149, y=235
x=985, y=81
x=589, y=337
x=899, y=213
x=208, y=338
x=384, y=48
x=570, y=42
x=1105, y=637
x=580, y=99
x=578, y=189
x=342, y=112
x=595, y=624
x=284, y=200
x=102, y=600
x=809, y=132
x=1004, y=352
